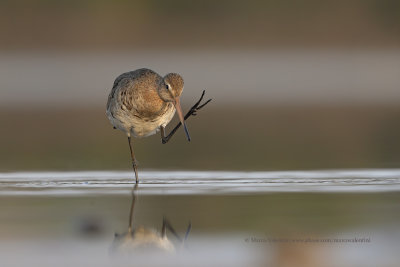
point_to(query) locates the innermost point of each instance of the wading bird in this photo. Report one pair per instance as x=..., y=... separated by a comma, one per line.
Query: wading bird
x=142, y=103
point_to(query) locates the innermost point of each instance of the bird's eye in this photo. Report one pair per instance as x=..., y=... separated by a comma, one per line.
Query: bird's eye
x=167, y=86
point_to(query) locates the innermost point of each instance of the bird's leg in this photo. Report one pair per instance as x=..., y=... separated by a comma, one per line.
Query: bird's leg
x=191, y=112
x=188, y=231
x=163, y=137
x=134, y=164
x=134, y=197
x=166, y=225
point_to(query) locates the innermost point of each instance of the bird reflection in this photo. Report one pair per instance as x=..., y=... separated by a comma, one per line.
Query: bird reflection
x=146, y=239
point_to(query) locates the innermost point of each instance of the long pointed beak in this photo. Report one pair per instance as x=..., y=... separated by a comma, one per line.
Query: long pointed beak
x=181, y=118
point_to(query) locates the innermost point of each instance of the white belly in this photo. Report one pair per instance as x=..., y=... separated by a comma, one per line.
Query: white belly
x=144, y=128
x=138, y=127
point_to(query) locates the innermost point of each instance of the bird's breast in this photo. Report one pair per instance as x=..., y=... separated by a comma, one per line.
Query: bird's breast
x=149, y=104
x=143, y=126
x=136, y=108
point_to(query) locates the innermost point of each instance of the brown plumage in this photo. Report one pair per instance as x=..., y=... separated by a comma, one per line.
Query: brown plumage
x=142, y=102
x=139, y=102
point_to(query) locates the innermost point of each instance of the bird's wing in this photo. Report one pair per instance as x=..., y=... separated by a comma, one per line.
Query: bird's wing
x=136, y=92
x=123, y=90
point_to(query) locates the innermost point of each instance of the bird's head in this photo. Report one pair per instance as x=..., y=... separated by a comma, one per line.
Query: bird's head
x=171, y=87
x=170, y=90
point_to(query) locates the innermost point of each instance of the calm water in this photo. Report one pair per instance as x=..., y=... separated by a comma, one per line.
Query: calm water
x=303, y=218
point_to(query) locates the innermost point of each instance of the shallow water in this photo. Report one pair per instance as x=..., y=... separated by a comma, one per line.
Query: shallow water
x=291, y=218
x=196, y=182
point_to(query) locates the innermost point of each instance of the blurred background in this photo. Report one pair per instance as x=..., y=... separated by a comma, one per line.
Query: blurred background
x=295, y=84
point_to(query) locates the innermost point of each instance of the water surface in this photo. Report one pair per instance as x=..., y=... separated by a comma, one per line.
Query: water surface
x=281, y=218
x=200, y=182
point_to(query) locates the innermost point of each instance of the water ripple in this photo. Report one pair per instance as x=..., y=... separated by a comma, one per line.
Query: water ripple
x=199, y=182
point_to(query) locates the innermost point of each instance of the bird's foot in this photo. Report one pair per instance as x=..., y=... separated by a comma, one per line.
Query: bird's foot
x=196, y=107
